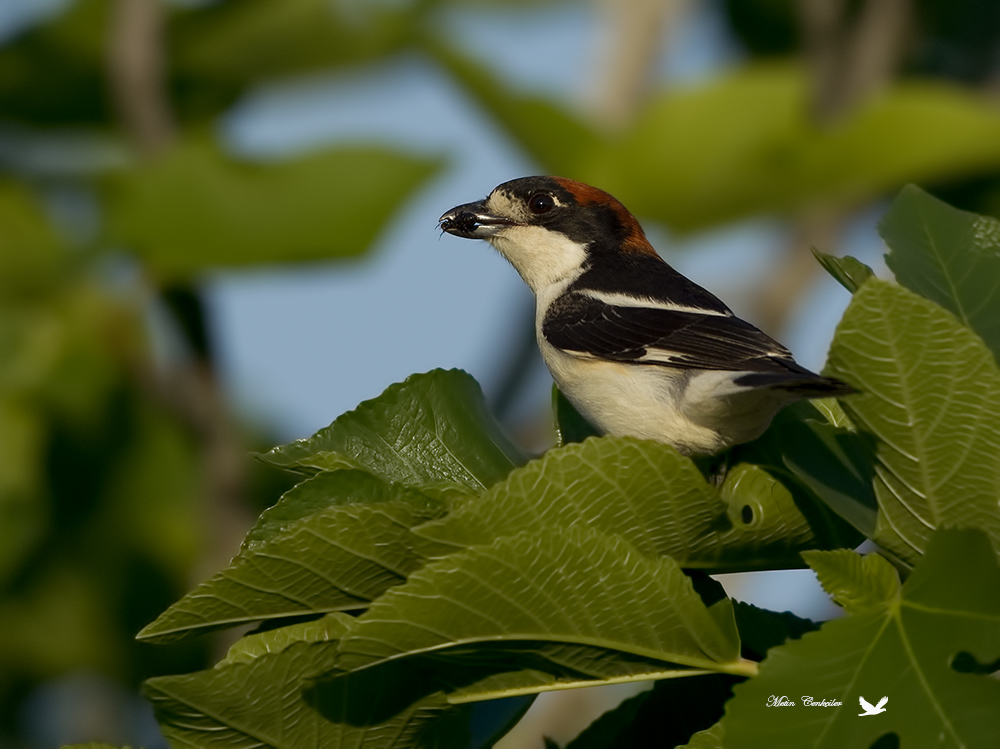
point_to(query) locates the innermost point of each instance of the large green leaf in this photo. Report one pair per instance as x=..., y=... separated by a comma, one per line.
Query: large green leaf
x=684, y=163
x=556, y=608
x=646, y=493
x=930, y=396
x=197, y=208
x=257, y=697
x=433, y=427
x=219, y=50
x=353, y=546
x=552, y=136
x=56, y=73
x=908, y=648
x=948, y=256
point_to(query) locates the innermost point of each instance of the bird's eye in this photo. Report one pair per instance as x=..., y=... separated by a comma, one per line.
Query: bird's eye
x=541, y=202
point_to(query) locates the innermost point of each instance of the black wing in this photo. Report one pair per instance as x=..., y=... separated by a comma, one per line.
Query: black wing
x=685, y=338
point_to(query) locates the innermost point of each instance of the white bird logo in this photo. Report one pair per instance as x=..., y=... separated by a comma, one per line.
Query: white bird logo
x=870, y=709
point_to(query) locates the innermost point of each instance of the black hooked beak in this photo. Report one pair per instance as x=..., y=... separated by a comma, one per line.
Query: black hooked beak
x=472, y=221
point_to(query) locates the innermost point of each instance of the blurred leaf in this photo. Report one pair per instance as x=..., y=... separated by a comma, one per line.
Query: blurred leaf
x=849, y=272
x=685, y=164
x=23, y=512
x=54, y=73
x=948, y=256
x=905, y=649
x=854, y=582
x=348, y=551
x=220, y=50
x=431, y=428
x=551, y=136
x=930, y=396
x=197, y=209
x=644, y=492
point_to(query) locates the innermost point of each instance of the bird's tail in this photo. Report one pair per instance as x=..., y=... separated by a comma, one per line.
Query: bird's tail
x=802, y=384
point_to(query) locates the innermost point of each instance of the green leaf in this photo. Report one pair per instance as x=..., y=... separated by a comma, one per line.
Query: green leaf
x=684, y=163
x=644, y=492
x=258, y=697
x=948, y=256
x=613, y=613
x=549, y=134
x=905, y=649
x=856, y=583
x=930, y=396
x=341, y=556
x=431, y=428
x=849, y=271
x=196, y=208
x=217, y=51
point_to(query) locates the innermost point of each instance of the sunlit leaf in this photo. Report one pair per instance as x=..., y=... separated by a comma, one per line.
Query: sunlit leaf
x=196, y=208
x=609, y=596
x=930, y=396
x=433, y=427
x=352, y=547
x=948, y=256
x=856, y=583
x=644, y=492
x=904, y=649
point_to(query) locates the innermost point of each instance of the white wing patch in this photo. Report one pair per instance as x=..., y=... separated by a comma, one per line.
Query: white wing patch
x=617, y=299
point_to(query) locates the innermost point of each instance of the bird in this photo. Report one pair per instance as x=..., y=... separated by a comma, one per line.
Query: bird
x=637, y=348
x=870, y=709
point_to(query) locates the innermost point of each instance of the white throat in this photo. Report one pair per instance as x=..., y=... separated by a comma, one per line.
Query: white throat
x=542, y=257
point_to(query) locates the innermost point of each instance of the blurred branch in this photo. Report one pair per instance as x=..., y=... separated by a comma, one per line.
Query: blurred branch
x=636, y=31
x=136, y=74
x=851, y=58
x=136, y=69
x=853, y=55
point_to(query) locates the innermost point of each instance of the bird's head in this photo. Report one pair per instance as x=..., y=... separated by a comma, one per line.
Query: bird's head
x=550, y=228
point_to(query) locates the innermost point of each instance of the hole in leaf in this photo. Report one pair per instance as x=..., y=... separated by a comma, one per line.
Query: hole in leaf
x=966, y=663
x=746, y=514
x=888, y=741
